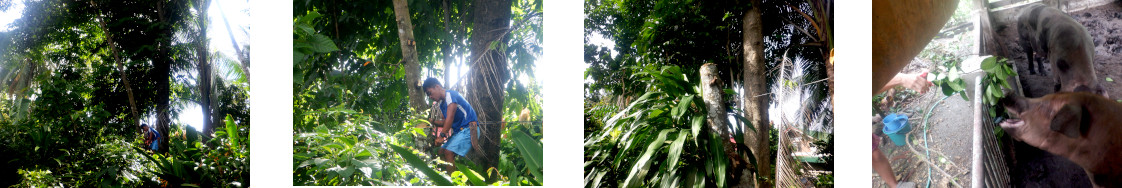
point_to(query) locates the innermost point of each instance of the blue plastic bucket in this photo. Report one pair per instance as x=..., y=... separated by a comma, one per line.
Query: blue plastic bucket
x=896, y=127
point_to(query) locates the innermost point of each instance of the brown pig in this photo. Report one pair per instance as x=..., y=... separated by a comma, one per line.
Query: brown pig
x=1063, y=42
x=1079, y=126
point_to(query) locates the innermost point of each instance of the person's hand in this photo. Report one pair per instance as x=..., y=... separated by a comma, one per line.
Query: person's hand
x=917, y=82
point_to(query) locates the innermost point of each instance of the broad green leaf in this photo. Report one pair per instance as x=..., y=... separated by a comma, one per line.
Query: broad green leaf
x=231, y=131
x=417, y=163
x=473, y=177
x=698, y=121
x=684, y=106
x=309, y=17
x=641, y=167
x=531, y=152
x=989, y=65
x=322, y=44
x=947, y=90
x=347, y=172
x=676, y=151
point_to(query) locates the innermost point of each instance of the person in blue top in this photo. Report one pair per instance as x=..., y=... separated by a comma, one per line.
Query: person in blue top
x=150, y=137
x=458, y=116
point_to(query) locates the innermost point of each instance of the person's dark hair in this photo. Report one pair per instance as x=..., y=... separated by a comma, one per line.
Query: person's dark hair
x=429, y=83
x=143, y=125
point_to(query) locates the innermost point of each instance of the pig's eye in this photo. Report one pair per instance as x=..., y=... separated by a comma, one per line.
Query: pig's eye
x=1062, y=65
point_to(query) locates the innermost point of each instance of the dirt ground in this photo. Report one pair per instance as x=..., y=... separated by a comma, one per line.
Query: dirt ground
x=1105, y=26
x=1032, y=167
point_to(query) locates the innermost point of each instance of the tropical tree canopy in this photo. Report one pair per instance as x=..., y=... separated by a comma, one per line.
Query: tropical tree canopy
x=356, y=120
x=80, y=77
x=645, y=121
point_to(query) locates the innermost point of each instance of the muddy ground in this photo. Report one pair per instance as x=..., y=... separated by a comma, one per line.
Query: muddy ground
x=1032, y=167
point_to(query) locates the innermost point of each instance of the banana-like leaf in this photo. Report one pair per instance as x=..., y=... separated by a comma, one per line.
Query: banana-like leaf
x=417, y=163
x=231, y=131
x=531, y=152
x=640, y=169
x=683, y=106
x=473, y=177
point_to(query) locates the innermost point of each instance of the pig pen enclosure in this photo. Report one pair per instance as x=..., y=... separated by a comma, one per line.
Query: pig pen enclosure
x=954, y=141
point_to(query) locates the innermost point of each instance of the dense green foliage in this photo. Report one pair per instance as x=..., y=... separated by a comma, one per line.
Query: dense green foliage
x=69, y=119
x=629, y=147
x=645, y=122
x=353, y=124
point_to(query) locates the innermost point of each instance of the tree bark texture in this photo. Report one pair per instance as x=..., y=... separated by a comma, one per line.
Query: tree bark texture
x=205, y=77
x=755, y=86
x=409, y=54
x=717, y=118
x=163, y=78
x=489, y=74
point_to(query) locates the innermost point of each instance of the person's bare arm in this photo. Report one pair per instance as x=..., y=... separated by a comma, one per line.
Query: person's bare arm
x=917, y=82
x=447, y=124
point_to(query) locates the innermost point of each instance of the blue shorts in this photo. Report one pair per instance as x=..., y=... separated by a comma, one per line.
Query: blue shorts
x=155, y=146
x=459, y=143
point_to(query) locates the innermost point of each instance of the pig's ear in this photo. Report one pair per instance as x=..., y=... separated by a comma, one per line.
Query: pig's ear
x=1071, y=121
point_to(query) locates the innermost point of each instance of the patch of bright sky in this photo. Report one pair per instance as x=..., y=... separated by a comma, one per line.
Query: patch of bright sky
x=599, y=40
x=10, y=15
x=237, y=12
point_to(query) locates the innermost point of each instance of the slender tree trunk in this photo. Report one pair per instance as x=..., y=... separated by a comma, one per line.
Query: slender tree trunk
x=755, y=84
x=120, y=69
x=718, y=121
x=409, y=54
x=205, y=78
x=489, y=74
x=243, y=60
x=447, y=48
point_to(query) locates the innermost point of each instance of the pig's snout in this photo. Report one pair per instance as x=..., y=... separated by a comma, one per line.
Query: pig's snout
x=1011, y=126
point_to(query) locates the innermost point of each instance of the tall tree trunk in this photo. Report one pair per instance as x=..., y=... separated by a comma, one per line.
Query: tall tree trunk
x=447, y=48
x=409, y=54
x=120, y=69
x=163, y=78
x=718, y=121
x=205, y=78
x=755, y=85
x=491, y=21
x=243, y=60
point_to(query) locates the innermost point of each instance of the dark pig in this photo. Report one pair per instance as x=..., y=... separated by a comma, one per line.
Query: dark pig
x=1079, y=126
x=1063, y=42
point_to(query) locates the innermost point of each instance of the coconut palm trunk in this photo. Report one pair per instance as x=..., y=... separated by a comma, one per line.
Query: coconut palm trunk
x=755, y=86
x=491, y=21
x=243, y=59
